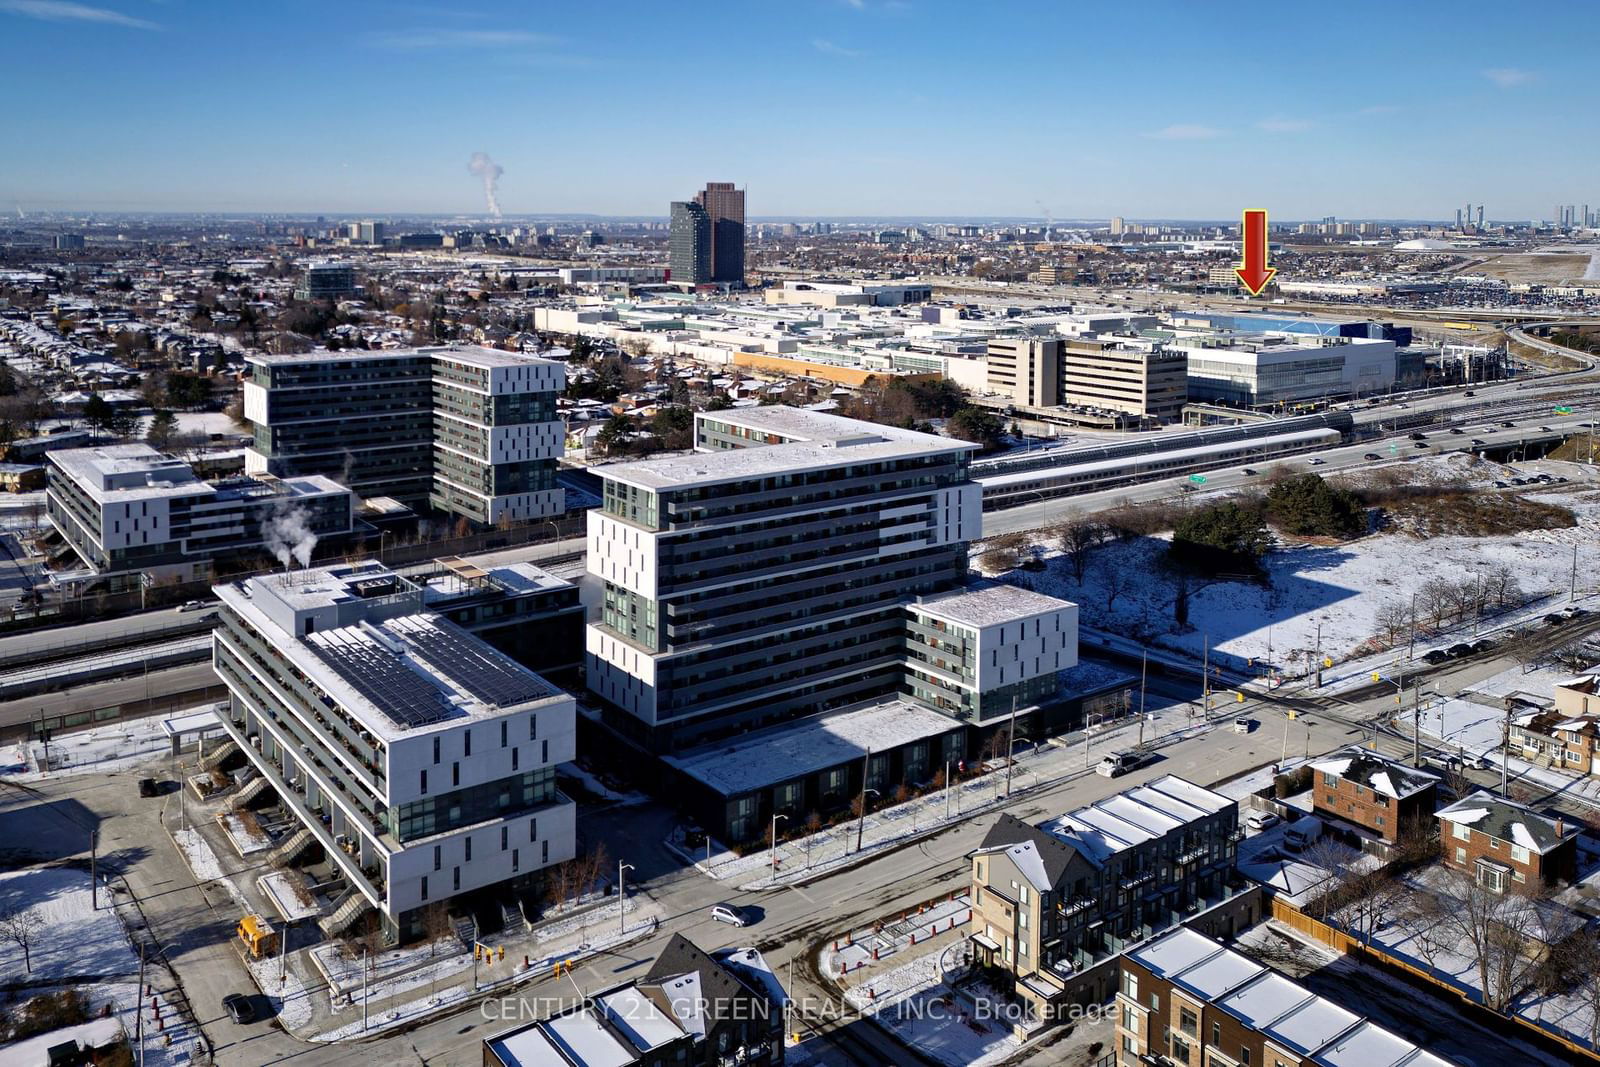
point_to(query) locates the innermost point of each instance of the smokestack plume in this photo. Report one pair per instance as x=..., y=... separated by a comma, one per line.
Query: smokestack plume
x=288, y=537
x=490, y=172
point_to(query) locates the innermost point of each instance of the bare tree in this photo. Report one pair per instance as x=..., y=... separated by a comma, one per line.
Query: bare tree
x=436, y=925
x=1395, y=621
x=1078, y=538
x=22, y=927
x=1495, y=930
x=1584, y=959
x=1115, y=581
x=1423, y=920
x=1338, y=859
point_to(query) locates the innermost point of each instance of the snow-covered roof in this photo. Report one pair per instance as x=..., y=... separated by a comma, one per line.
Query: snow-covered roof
x=1144, y=813
x=585, y=1040
x=988, y=604
x=1375, y=771
x=636, y=1015
x=1506, y=820
x=766, y=757
x=1288, y=1014
x=1025, y=854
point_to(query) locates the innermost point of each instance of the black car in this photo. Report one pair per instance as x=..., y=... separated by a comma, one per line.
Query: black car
x=1476, y=441
x=1553, y=620
x=239, y=1007
x=1456, y=651
x=1371, y=455
x=1508, y=424
x=1457, y=429
x=1482, y=646
x=1419, y=437
x=148, y=787
x=1435, y=657
x=1420, y=444
x=1469, y=392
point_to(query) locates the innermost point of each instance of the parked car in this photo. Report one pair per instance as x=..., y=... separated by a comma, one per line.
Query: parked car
x=1460, y=649
x=1499, y=484
x=1241, y=726
x=1371, y=455
x=731, y=913
x=148, y=787
x=239, y=1007
x=1302, y=832
x=1554, y=620
x=1483, y=645
x=1261, y=820
x=1434, y=657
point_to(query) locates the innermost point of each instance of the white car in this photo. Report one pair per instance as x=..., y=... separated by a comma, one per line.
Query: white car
x=1261, y=820
x=730, y=913
x=1315, y=462
x=1241, y=726
x=192, y=605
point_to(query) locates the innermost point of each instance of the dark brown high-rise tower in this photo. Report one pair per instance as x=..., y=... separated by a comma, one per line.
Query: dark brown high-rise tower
x=724, y=205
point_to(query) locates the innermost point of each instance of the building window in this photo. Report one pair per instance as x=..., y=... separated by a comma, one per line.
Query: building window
x=514, y=760
x=1461, y=831
x=503, y=736
x=533, y=829
x=455, y=774
x=424, y=789
x=438, y=857
x=466, y=742
x=436, y=751
x=455, y=879
x=1130, y=985
x=505, y=837
x=1188, y=1022
x=533, y=727
x=1216, y=1033
x=424, y=887
x=516, y=863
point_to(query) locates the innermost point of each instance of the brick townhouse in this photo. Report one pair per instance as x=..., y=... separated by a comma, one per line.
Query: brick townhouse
x=1185, y=1000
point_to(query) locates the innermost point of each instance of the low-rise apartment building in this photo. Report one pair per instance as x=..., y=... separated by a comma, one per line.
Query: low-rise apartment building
x=691, y=1009
x=1373, y=793
x=420, y=758
x=1507, y=846
x=1053, y=904
x=1551, y=737
x=1186, y=1001
x=132, y=513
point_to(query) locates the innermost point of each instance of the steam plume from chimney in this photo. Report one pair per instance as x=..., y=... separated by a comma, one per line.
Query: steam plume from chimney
x=287, y=536
x=490, y=172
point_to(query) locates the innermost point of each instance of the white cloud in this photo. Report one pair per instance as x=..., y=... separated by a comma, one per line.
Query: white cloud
x=1508, y=77
x=1185, y=131
x=1283, y=125
x=829, y=48
x=65, y=11
x=419, y=40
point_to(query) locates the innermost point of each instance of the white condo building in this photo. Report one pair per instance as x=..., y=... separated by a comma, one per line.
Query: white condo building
x=421, y=759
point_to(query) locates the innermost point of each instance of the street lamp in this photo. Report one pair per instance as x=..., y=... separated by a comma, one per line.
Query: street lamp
x=622, y=897
x=774, y=849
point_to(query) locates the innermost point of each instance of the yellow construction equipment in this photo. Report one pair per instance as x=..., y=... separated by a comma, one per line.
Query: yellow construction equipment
x=259, y=938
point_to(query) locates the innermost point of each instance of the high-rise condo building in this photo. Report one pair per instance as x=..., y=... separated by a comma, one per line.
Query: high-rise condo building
x=689, y=243
x=418, y=757
x=470, y=431
x=724, y=206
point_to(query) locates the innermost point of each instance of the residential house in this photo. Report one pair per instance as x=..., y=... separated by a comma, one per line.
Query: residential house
x=1375, y=794
x=690, y=1010
x=1505, y=845
x=1553, y=737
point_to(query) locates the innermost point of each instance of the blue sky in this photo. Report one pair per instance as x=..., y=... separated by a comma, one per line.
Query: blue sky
x=818, y=107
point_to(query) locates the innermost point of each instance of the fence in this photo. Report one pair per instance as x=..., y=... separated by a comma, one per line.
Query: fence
x=1345, y=943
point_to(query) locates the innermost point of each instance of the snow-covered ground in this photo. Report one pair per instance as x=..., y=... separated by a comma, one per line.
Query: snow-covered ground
x=913, y=1001
x=1339, y=589
x=76, y=944
x=105, y=749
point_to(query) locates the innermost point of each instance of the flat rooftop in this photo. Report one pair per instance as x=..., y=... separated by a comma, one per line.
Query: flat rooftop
x=989, y=604
x=476, y=355
x=138, y=472
x=1287, y=1013
x=1144, y=813
x=401, y=671
x=812, y=440
x=779, y=753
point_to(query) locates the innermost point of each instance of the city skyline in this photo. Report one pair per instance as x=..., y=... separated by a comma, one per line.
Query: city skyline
x=837, y=108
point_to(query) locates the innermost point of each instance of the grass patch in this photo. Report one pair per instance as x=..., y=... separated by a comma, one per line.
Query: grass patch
x=1460, y=514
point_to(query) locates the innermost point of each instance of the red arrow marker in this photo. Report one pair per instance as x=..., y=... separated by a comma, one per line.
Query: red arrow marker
x=1253, y=272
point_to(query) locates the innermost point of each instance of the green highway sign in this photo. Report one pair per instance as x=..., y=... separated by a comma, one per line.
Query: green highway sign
x=1563, y=410
x=1198, y=479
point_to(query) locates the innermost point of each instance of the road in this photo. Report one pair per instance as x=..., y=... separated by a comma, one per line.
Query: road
x=796, y=922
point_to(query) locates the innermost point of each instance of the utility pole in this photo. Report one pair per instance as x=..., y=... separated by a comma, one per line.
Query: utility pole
x=45, y=736
x=1505, y=752
x=861, y=820
x=1572, y=585
x=138, y=1008
x=1011, y=743
x=1144, y=676
x=1205, y=681
x=1411, y=625
x=947, y=790
x=1319, y=655
x=364, y=981
x=1416, y=724
x=94, y=878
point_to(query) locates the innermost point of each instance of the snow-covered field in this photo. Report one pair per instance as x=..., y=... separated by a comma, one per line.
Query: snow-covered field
x=1339, y=589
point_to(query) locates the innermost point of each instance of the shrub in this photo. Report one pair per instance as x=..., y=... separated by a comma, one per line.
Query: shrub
x=1307, y=506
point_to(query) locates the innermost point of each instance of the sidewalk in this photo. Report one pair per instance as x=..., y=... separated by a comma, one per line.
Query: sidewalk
x=317, y=992
x=867, y=948
x=801, y=859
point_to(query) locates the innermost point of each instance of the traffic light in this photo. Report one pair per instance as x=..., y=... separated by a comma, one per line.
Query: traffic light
x=1376, y=677
x=1238, y=697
